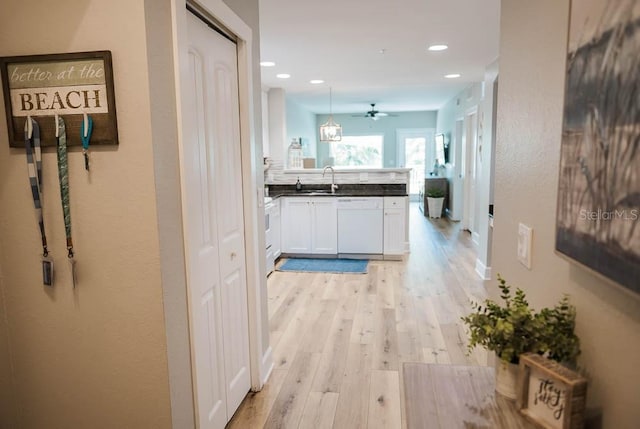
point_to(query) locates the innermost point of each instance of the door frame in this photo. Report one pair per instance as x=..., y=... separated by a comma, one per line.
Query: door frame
x=261, y=363
x=469, y=157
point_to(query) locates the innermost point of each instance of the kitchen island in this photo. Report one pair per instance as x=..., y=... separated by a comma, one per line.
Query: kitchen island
x=355, y=221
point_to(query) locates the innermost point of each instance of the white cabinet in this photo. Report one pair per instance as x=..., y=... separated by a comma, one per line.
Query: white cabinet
x=395, y=209
x=296, y=225
x=309, y=225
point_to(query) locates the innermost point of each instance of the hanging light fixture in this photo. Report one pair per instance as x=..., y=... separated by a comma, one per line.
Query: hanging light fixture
x=330, y=131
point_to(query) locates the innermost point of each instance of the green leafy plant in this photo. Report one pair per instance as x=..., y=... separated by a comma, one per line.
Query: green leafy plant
x=514, y=328
x=435, y=193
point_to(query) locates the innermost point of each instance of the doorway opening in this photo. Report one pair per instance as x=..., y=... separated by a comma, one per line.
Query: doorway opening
x=415, y=149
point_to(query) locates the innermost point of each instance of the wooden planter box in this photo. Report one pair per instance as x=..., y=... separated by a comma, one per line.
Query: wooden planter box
x=550, y=395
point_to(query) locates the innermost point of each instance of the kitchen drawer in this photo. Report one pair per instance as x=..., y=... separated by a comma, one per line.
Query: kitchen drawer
x=395, y=202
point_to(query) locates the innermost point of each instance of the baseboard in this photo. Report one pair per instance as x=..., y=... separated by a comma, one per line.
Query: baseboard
x=482, y=270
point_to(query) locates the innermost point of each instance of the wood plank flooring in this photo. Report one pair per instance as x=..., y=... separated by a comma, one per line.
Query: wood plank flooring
x=339, y=340
x=457, y=397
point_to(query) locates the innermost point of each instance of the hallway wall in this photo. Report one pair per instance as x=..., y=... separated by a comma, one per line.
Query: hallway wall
x=529, y=125
x=94, y=356
x=7, y=404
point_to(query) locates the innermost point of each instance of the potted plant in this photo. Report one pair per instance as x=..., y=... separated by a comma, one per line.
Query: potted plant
x=435, y=199
x=512, y=328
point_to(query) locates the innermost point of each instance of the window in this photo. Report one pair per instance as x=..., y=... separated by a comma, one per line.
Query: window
x=358, y=152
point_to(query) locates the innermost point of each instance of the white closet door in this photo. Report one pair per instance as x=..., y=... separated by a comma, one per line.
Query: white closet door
x=226, y=140
x=214, y=227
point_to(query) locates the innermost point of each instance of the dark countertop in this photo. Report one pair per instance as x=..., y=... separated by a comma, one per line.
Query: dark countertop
x=344, y=190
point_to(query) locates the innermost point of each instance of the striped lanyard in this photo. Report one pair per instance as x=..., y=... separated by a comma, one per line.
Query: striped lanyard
x=63, y=177
x=34, y=165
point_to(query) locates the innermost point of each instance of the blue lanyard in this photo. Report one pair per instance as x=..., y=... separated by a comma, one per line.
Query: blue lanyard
x=86, y=139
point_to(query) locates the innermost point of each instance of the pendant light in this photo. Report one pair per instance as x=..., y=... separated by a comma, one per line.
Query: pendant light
x=330, y=131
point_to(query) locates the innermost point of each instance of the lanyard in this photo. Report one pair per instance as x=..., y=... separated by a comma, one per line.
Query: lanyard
x=63, y=177
x=34, y=165
x=86, y=127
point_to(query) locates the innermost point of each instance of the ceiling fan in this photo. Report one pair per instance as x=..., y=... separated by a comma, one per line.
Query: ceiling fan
x=374, y=114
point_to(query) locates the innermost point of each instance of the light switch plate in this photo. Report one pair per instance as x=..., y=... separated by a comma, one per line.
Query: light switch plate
x=525, y=238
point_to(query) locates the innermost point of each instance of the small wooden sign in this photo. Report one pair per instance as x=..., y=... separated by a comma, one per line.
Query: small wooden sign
x=550, y=395
x=67, y=84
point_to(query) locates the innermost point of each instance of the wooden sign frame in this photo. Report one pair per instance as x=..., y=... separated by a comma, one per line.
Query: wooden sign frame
x=561, y=393
x=68, y=84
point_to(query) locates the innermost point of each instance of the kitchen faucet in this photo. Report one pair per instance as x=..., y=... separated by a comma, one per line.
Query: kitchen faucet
x=333, y=177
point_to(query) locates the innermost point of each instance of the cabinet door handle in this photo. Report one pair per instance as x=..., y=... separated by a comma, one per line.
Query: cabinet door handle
x=233, y=255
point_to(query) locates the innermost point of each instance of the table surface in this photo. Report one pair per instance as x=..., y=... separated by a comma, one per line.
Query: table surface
x=451, y=396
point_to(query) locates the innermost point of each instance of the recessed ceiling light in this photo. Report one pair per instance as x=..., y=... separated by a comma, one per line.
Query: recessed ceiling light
x=283, y=76
x=452, y=75
x=267, y=63
x=316, y=81
x=438, y=47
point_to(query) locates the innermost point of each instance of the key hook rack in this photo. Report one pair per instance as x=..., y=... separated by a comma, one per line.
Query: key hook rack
x=76, y=86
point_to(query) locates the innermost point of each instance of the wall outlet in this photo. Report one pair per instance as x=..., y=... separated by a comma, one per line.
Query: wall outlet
x=392, y=175
x=364, y=177
x=525, y=238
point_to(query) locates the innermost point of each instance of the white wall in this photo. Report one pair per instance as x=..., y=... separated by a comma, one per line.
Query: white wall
x=533, y=37
x=457, y=109
x=277, y=125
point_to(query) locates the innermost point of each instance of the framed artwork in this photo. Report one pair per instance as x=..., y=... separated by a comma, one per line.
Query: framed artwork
x=598, y=210
x=70, y=85
x=549, y=394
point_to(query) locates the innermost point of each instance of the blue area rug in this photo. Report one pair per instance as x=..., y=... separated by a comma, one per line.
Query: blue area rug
x=356, y=266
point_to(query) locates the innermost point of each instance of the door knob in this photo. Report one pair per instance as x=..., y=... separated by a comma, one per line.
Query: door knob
x=233, y=255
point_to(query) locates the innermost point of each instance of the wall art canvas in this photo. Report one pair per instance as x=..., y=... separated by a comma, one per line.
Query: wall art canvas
x=598, y=207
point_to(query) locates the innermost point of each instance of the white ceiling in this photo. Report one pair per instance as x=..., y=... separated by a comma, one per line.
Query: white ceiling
x=340, y=41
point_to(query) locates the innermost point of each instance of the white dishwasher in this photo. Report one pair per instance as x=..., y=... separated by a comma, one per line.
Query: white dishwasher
x=360, y=225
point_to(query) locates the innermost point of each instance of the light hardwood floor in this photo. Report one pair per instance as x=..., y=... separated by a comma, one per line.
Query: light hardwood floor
x=339, y=340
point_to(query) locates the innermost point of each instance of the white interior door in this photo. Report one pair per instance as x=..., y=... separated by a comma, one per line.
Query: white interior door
x=226, y=139
x=214, y=226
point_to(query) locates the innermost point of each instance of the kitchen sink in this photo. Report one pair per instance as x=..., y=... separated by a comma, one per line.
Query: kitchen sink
x=316, y=192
